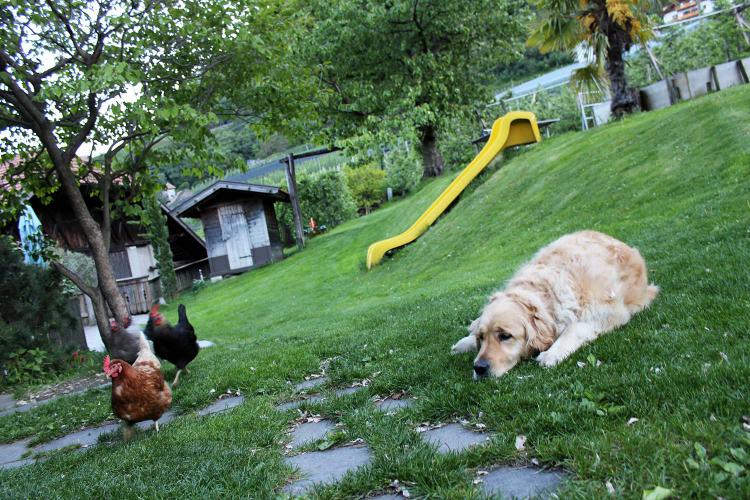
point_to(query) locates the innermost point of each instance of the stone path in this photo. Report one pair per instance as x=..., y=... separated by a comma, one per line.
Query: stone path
x=8, y=405
x=322, y=467
x=11, y=454
x=391, y=406
x=314, y=383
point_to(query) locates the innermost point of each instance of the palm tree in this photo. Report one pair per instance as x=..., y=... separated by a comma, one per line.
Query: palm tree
x=607, y=27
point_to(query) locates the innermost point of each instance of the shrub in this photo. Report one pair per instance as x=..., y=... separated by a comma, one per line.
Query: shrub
x=367, y=185
x=33, y=313
x=403, y=170
x=323, y=196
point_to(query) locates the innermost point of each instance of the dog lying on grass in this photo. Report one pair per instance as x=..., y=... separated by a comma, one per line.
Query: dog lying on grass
x=573, y=290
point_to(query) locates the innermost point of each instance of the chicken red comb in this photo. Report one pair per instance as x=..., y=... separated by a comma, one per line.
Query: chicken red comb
x=154, y=310
x=106, y=366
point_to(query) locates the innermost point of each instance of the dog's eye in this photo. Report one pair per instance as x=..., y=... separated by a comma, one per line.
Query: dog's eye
x=504, y=336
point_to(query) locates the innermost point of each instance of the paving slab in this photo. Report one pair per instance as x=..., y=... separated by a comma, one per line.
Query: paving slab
x=310, y=384
x=310, y=431
x=520, y=482
x=17, y=463
x=322, y=467
x=13, y=451
x=222, y=405
x=205, y=343
x=8, y=410
x=291, y=405
x=84, y=438
x=454, y=438
x=348, y=390
x=386, y=497
x=7, y=401
x=391, y=406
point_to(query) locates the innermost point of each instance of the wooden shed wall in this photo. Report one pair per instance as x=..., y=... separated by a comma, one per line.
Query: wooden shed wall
x=262, y=231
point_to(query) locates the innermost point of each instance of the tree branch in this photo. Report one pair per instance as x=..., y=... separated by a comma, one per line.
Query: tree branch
x=75, y=278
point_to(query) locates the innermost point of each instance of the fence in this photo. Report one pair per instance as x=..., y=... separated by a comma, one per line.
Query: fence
x=690, y=84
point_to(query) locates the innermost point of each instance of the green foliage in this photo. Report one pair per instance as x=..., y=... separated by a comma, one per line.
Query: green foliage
x=404, y=66
x=715, y=40
x=367, y=185
x=277, y=143
x=323, y=196
x=33, y=314
x=403, y=170
x=156, y=223
x=22, y=365
x=532, y=64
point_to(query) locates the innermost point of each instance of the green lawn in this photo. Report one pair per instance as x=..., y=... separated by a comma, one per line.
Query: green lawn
x=674, y=183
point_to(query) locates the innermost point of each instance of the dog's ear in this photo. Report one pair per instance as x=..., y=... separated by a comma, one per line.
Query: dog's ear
x=473, y=328
x=539, y=328
x=539, y=332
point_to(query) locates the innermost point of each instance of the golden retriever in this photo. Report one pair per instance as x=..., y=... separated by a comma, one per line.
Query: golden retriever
x=573, y=290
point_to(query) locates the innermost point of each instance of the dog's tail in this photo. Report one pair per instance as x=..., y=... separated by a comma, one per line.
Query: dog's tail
x=651, y=292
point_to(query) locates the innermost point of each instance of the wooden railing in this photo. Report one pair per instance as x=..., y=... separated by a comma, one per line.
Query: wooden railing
x=139, y=292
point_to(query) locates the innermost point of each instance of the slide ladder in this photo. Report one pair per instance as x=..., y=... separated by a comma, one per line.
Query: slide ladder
x=513, y=129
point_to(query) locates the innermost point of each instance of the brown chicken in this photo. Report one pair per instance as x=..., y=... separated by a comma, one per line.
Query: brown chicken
x=139, y=391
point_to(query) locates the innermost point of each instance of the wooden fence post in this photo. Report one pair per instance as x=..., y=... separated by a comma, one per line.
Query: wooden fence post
x=291, y=180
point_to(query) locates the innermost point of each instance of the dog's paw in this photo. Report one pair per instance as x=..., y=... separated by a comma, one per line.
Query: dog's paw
x=466, y=344
x=548, y=359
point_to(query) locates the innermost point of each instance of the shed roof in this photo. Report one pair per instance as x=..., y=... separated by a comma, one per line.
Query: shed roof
x=227, y=190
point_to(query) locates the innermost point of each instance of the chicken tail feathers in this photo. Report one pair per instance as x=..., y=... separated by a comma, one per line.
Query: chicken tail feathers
x=182, y=314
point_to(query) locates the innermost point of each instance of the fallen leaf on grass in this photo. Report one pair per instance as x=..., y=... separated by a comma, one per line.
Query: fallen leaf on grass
x=520, y=442
x=632, y=420
x=657, y=493
x=581, y=364
x=610, y=488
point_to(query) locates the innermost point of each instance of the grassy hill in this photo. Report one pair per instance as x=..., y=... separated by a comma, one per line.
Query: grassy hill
x=674, y=183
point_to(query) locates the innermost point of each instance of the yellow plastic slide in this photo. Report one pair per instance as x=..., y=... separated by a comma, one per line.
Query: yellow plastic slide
x=513, y=129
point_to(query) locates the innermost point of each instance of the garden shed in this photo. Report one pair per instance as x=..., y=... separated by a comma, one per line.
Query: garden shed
x=239, y=224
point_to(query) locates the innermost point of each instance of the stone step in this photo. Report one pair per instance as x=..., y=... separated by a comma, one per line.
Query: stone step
x=310, y=432
x=325, y=467
x=454, y=438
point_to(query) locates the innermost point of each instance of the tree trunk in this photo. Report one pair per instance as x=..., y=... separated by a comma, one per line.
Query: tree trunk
x=93, y=234
x=102, y=319
x=623, y=98
x=431, y=157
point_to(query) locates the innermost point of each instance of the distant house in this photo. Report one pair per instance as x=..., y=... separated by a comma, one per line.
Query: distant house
x=684, y=10
x=131, y=254
x=239, y=224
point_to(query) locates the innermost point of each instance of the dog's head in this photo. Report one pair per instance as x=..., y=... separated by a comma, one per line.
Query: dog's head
x=509, y=329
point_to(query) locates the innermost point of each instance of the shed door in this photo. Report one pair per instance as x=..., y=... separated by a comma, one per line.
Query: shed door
x=234, y=232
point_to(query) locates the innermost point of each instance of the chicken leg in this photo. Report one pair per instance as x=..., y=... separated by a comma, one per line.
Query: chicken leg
x=176, y=378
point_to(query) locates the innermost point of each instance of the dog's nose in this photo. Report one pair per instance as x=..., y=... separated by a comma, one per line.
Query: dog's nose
x=481, y=367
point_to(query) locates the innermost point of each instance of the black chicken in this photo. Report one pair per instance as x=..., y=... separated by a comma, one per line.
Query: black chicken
x=177, y=344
